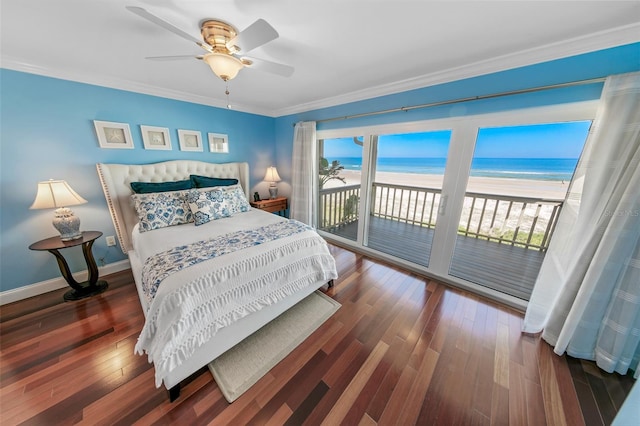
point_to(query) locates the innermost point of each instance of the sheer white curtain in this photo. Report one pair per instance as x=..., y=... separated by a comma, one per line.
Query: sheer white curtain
x=304, y=176
x=586, y=300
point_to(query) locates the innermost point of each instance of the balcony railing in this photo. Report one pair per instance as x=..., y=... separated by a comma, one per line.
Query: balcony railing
x=520, y=221
x=336, y=206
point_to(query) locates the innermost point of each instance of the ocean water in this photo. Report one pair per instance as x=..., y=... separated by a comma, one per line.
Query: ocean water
x=559, y=169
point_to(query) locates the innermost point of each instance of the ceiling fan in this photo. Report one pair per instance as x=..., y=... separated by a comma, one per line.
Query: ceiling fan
x=223, y=43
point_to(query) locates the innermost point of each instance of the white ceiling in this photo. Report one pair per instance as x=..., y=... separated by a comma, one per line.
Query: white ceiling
x=342, y=50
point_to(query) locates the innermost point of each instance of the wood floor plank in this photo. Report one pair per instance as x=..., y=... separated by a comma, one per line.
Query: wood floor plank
x=450, y=358
x=280, y=416
x=343, y=404
x=518, y=407
x=589, y=405
x=535, y=403
x=336, y=389
x=570, y=403
x=550, y=390
x=366, y=421
x=499, y=405
x=483, y=386
x=501, y=359
x=396, y=402
x=605, y=406
x=370, y=390
x=302, y=413
x=384, y=381
x=291, y=391
x=402, y=349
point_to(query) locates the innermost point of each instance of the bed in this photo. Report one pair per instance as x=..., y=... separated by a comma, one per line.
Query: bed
x=204, y=288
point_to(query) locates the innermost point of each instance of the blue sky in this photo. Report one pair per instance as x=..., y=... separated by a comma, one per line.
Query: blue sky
x=557, y=140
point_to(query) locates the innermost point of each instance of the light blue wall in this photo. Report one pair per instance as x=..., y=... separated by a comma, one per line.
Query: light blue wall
x=47, y=132
x=581, y=67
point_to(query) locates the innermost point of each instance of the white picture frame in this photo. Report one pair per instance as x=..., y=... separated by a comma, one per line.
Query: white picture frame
x=190, y=140
x=113, y=135
x=218, y=143
x=156, y=137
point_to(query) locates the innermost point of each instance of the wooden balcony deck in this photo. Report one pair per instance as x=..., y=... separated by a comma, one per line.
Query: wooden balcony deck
x=502, y=267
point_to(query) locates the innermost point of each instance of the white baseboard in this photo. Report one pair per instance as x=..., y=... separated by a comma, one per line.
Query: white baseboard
x=42, y=287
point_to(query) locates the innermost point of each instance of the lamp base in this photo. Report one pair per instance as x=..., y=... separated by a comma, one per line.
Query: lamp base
x=67, y=224
x=273, y=192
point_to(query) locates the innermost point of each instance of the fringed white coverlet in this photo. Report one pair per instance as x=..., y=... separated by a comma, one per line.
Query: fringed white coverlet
x=220, y=290
x=161, y=265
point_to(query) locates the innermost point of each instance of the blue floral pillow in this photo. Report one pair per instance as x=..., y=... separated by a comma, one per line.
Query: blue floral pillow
x=160, y=210
x=236, y=199
x=208, y=205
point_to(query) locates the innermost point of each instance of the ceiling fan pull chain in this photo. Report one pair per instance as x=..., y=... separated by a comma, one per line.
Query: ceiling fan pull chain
x=226, y=92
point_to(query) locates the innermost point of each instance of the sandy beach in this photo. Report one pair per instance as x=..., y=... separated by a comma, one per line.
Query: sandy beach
x=546, y=189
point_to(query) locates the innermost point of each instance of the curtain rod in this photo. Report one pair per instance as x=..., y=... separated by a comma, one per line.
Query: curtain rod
x=472, y=98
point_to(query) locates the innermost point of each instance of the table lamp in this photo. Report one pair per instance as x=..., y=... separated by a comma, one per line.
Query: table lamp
x=272, y=177
x=57, y=194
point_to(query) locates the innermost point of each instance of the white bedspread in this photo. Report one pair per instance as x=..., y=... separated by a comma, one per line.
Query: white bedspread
x=191, y=305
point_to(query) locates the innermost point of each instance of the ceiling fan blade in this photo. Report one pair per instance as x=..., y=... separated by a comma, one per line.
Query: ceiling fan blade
x=173, y=58
x=143, y=13
x=270, y=67
x=255, y=35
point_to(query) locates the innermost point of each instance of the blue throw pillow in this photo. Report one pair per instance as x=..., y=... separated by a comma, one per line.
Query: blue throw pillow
x=150, y=187
x=208, y=205
x=160, y=210
x=208, y=182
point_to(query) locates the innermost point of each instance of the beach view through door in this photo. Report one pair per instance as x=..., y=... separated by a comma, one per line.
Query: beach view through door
x=404, y=194
x=339, y=185
x=517, y=184
x=474, y=201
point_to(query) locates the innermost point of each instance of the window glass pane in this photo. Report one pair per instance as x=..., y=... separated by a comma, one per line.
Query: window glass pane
x=339, y=186
x=405, y=193
x=518, y=181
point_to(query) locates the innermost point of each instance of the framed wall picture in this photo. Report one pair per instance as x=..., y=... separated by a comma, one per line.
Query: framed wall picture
x=113, y=135
x=156, y=137
x=190, y=140
x=218, y=143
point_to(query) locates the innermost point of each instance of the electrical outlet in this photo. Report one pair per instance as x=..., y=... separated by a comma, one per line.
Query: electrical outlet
x=111, y=240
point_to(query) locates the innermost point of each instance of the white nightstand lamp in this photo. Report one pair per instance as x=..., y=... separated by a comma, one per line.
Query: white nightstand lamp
x=57, y=194
x=272, y=177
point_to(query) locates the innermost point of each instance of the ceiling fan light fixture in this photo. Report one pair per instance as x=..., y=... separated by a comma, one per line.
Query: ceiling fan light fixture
x=224, y=66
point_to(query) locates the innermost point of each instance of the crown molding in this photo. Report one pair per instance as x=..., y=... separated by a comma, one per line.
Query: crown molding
x=597, y=41
x=575, y=46
x=120, y=84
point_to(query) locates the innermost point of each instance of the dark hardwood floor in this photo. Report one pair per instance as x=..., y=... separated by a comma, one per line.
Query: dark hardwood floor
x=402, y=350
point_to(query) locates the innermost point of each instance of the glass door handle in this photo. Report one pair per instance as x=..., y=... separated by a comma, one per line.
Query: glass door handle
x=442, y=208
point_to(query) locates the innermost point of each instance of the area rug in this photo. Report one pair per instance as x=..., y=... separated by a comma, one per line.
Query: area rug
x=242, y=366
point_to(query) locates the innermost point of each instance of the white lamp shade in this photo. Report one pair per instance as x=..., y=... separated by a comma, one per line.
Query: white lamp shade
x=272, y=175
x=224, y=66
x=55, y=194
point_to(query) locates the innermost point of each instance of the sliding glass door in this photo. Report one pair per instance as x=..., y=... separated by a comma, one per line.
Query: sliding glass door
x=404, y=193
x=469, y=200
x=517, y=185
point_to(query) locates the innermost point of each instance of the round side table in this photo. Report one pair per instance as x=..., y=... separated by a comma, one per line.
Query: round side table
x=78, y=290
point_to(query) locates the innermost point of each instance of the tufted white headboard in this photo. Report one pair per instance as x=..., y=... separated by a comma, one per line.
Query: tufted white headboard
x=116, y=179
